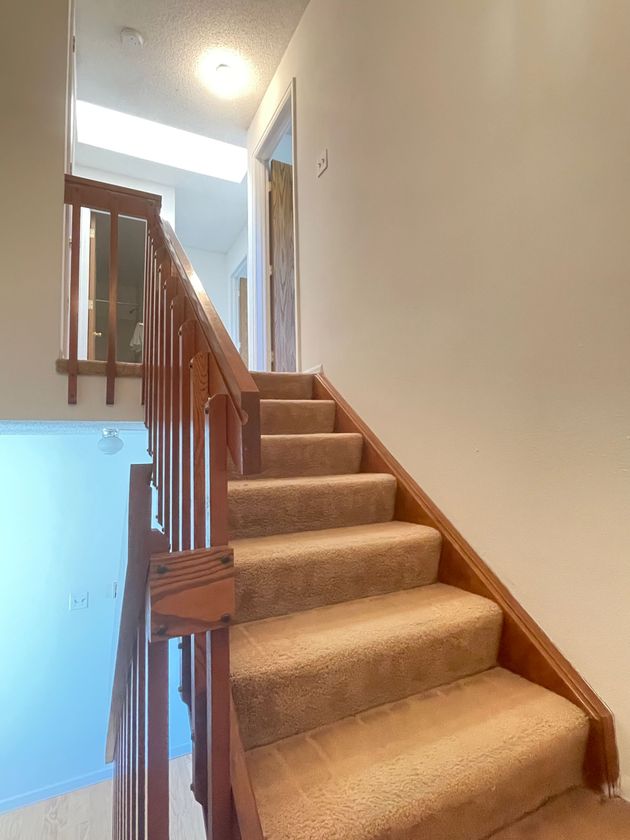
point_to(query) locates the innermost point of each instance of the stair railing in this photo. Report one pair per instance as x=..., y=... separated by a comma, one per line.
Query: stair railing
x=117, y=202
x=201, y=407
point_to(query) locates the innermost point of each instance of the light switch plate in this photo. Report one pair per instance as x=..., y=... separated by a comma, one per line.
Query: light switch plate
x=322, y=163
x=79, y=601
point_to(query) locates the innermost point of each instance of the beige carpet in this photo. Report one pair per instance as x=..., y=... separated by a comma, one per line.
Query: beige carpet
x=368, y=694
x=577, y=815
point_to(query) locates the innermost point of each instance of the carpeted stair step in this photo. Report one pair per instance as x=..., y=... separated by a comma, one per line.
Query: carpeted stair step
x=307, y=669
x=286, y=456
x=579, y=814
x=455, y=763
x=281, y=505
x=286, y=573
x=284, y=386
x=294, y=417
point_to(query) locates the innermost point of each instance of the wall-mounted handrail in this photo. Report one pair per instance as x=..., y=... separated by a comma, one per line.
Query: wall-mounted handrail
x=200, y=402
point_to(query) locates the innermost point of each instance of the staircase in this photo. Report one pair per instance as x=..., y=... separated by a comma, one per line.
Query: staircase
x=352, y=668
x=368, y=693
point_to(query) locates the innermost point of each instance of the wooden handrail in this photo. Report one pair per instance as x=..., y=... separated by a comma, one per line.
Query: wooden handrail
x=142, y=543
x=200, y=403
x=239, y=383
x=99, y=195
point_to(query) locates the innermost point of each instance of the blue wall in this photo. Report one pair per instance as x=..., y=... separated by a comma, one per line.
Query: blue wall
x=63, y=508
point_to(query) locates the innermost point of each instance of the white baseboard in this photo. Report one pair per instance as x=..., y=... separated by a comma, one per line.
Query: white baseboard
x=317, y=369
x=68, y=785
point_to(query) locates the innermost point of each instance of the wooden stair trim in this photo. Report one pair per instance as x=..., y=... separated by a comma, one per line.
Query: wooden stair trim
x=190, y=592
x=95, y=367
x=248, y=826
x=525, y=649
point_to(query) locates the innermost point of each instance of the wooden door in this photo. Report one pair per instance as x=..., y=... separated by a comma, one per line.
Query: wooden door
x=282, y=262
x=242, y=319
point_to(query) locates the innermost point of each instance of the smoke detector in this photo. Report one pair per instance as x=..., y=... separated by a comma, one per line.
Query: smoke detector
x=131, y=38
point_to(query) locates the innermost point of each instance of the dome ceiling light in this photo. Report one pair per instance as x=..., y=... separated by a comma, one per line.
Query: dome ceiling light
x=225, y=73
x=110, y=442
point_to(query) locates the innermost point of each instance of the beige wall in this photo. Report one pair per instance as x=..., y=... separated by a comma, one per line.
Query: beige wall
x=465, y=279
x=33, y=64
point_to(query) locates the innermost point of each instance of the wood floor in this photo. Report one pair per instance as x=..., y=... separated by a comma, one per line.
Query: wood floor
x=86, y=814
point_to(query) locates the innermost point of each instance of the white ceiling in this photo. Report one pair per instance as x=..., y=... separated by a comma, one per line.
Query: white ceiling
x=159, y=81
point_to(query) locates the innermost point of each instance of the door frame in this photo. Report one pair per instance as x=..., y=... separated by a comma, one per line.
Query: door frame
x=235, y=279
x=258, y=276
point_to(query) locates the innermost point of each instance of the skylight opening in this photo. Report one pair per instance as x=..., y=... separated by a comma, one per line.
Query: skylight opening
x=158, y=143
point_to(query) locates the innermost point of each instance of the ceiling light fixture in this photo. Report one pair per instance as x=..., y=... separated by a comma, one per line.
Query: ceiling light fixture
x=225, y=73
x=110, y=442
x=148, y=140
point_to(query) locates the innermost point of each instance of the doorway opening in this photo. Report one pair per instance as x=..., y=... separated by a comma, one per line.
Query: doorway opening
x=239, y=306
x=274, y=288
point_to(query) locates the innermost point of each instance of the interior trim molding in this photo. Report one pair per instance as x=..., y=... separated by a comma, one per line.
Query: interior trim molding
x=70, y=785
x=69, y=427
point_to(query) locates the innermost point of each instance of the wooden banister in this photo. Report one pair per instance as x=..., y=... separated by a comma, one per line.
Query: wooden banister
x=237, y=380
x=200, y=403
x=117, y=201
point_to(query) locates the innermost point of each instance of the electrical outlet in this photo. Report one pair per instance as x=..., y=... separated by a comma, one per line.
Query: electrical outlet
x=322, y=163
x=79, y=601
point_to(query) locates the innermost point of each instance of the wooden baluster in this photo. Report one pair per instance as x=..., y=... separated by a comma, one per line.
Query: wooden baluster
x=159, y=425
x=199, y=375
x=186, y=351
x=218, y=641
x=115, y=793
x=157, y=747
x=73, y=326
x=113, y=308
x=153, y=351
x=123, y=766
x=149, y=327
x=177, y=319
x=142, y=699
x=218, y=694
x=133, y=745
x=157, y=337
x=170, y=288
x=129, y=764
x=121, y=804
x=145, y=316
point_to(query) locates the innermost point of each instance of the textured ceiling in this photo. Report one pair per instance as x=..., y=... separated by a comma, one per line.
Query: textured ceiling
x=159, y=81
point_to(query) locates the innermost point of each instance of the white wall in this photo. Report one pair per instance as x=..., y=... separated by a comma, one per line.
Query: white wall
x=464, y=272
x=237, y=253
x=34, y=50
x=57, y=664
x=210, y=266
x=167, y=192
x=215, y=271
